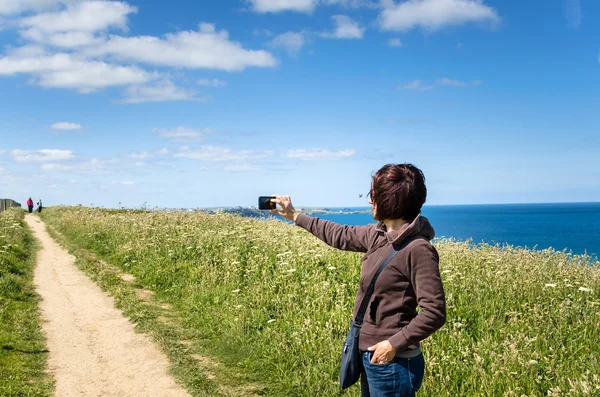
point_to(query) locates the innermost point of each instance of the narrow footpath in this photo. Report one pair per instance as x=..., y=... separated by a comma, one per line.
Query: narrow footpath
x=94, y=349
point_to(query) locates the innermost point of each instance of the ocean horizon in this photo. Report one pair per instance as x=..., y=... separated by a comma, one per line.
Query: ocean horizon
x=574, y=227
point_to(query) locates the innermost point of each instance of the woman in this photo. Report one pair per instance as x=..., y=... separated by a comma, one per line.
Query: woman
x=392, y=329
x=30, y=205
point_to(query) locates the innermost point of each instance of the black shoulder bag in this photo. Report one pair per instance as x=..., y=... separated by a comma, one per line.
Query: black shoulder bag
x=351, y=365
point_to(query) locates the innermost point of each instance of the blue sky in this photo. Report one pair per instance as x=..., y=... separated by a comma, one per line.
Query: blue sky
x=204, y=103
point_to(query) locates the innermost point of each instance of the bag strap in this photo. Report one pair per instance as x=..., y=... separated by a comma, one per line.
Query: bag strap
x=367, y=297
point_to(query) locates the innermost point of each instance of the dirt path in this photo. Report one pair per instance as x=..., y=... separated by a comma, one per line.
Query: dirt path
x=94, y=350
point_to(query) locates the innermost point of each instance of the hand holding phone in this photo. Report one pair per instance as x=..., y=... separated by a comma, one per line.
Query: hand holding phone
x=266, y=203
x=287, y=209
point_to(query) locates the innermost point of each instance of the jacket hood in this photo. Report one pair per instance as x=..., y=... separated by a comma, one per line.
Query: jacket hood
x=418, y=227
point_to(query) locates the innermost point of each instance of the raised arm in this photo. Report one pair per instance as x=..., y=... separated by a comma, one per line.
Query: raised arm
x=349, y=238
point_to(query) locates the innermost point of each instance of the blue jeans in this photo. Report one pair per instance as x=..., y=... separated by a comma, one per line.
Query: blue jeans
x=401, y=377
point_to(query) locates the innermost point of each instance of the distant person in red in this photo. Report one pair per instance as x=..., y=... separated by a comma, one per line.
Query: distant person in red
x=30, y=205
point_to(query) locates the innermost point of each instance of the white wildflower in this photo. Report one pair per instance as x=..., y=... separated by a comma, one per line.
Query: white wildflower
x=235, y=291
x=550, y=285
x=318, y=255
x=331, y=268
x=446, y=271
x=238, y=307
x=283, y=254
x=532, y=362
x=458, y=325
x=291, y=270
x=584, y=289
x=270, y=321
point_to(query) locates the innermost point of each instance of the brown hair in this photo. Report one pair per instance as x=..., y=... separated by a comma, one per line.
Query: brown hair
x=398, y=192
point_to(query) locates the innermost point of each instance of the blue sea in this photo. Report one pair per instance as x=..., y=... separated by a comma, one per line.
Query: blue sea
x=571, y=226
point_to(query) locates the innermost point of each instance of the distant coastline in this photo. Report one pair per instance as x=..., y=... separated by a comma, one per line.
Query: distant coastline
x=254, y=212
x=573, y=227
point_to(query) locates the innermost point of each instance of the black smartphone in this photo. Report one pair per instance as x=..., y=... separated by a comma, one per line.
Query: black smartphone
x=265, y=203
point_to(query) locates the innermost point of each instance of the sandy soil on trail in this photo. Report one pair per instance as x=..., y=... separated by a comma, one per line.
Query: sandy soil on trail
x=94, y=350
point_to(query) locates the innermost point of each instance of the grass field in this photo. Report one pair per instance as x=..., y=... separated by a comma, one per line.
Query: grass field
x=23, y=353
x=272, y=304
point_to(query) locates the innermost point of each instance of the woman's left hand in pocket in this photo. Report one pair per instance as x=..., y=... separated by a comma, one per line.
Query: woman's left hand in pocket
x=384, y=352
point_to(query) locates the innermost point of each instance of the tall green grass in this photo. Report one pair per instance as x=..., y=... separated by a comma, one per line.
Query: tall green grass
x=271, y=300
x=23, y=353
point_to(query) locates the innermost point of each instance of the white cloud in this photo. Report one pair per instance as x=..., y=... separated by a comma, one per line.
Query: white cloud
x=290, y=41
x=181, y=134
x=69, y=40
x=213, y=153
x=319, y=154
x=97, y=166
x=66, y=71
x=160, y=91
x=140, y=155
x=126, y=183
x=205, y=48
x=41, y=156
x=76, y=25
x=27, y=51
x=435, y=14
x=458, y=83
x=91, y=60
x=353, y=3
x=88, y=16
x=573, y=13
x=66, y=126
x=418, y=85
x=395, y=43
x=88, y=77
x=346, y=28
x=212, y=82
x=9, y=7
x=56, y=167
x=93, y=167
x=307, y=6
x=243, y=168
x=283, y=5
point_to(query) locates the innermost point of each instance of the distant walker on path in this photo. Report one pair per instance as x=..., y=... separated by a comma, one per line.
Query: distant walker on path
x=30, y=205
x=39, y=205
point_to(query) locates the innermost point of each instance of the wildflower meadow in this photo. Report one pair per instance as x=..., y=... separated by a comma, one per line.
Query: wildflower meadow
x=274, y=302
